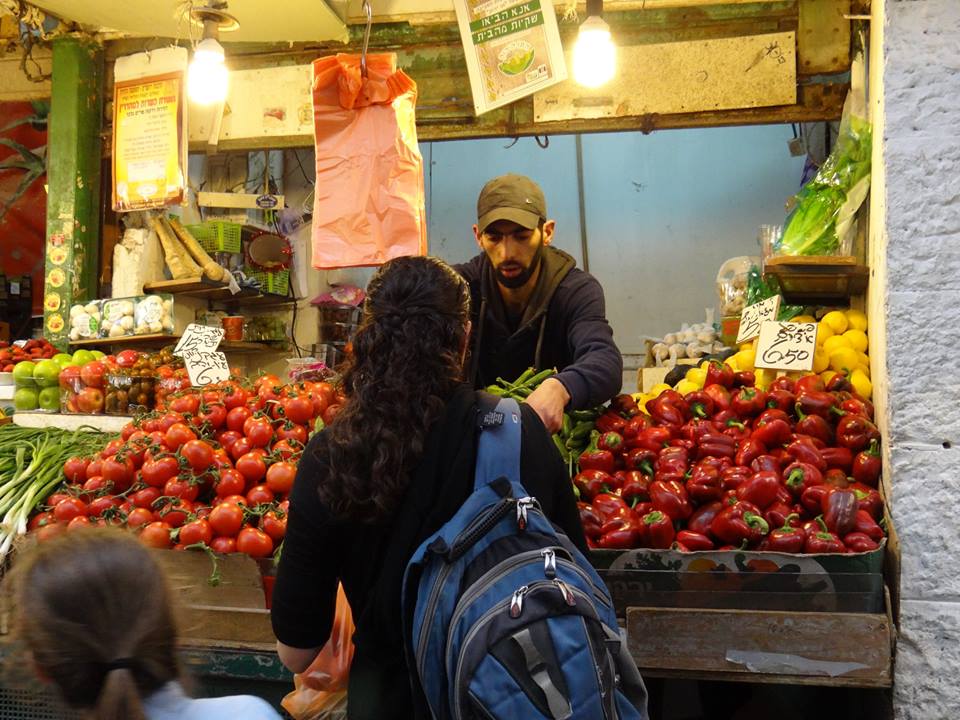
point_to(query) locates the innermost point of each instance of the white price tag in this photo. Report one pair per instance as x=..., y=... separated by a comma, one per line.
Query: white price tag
x=198, y=338
x=754, y=315
x=786, y=345
x=205, y=367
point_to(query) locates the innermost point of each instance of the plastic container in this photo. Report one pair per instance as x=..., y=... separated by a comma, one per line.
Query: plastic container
x=217, y=236
x=337, y=323
x=732, y=284
x=130, y=392
x=6, y=378
x=274, y=283
x=138, y=315
x=76, y=398
x=233, y=328
x=84, y=321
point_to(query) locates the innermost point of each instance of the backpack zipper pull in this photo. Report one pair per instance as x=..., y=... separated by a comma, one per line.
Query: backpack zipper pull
x=516, y=602
x=522, y=505
x=549, y=562
x=566, y=592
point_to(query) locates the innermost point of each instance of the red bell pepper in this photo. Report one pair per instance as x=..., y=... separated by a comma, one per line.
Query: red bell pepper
x=807, y=453
x=715, y=444
x=798, y=476
x=812, y=498
x=621, y=538
x=823, y=541
x=590, y=520
x=781, y=400
x=703, y=516
x=641, y=459
x=839, y=508
x=838, y=457
x=839, y=382
x=699, y=404
x=868, y=500
x=675, y=459
x=745, y=378
x=738, y=523
x=786, y=538
x=814, y=426
x=612, y=441
x=748, y=450
x=610, y=506
x=704, y=486
x=784, y=383
x=858, y=406
x=693, y=541
x=610, y=422
x=762, y=463
x=720, y=396
x=858, y=542
x=760, y=489
x=772, y=432
x=772, y=414
x=656, y=530
x=624, y=405
x=666, y=412
x=864, y=523
x=835, y=477
x=651, y=438
x=595, y=459
x=635, y=488
x=809, y=383
x=670, y=497
x=642, y=508
x=719, y=373
x=812, y=402
x=683, y=443
x=587, y=481
x=777, y=514
x=695, y=428
x=748, y=402
x=856, y=432
x=731, y=477
x=867, y=465
x=635, y=426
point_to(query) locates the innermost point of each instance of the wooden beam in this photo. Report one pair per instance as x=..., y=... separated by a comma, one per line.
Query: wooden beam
x=823, y=37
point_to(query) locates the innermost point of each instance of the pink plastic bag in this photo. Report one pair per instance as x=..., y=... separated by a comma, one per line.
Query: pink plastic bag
x=369, y=204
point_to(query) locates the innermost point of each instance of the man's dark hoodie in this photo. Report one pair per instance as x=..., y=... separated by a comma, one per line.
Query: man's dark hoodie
x=564, y=326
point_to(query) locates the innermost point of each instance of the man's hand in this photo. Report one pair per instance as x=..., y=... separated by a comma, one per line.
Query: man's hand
x=548, y=401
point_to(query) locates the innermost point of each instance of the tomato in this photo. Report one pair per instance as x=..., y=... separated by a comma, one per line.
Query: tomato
x=327, y=392
x=56, y=498
x=258, y=431
x=280, y=477
x=145, y=497
x=138, y=517
x=50, y=530
x=226, y=519
x=236, y=500
x=181, y=488
x=157, y=439
x=150, y=426
x=201, y=512
x=298, y=410
x=157, y=472
x=156, y=535
x=94, y=467
x=119, y=473
x=227, y=438
x=41, y=519
x=169, y=420
x=97, y=507
x=75, y=469
x=260, y=495
x=288, y=449
x=127, y=430
x=110, y=449
x=267, y=381
x=79, y=522
x=231, y=482
x=240, y=448
x=186, y=403
x=178, y=434
x=196, y=531
x=273, y=525
x=236, y=397
x=252, y=467
x=254, y=542
x=210, y=396
x=237, y=417
x=330, y=413
x=69, y=508
x=176, y=512
x=214, y=414
x=224, y=545
x=198, y=454
x=93, y=486
x=292, y=431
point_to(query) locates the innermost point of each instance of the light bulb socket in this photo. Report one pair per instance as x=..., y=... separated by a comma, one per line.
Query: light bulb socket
x=594, y=8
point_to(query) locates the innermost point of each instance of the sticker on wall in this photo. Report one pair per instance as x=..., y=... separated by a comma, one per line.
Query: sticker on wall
x=56, y=278
x=52, y=302
x=55, y=323
x=58, y=255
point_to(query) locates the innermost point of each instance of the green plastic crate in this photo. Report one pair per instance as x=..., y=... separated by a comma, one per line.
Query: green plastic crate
x=217, y=236
x=276, y=283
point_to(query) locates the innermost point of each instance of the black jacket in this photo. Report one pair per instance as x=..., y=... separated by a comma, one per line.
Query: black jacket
x=320, y=548
x=564, y=326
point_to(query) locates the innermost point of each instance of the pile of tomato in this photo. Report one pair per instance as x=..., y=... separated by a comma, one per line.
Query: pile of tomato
x=212, y=469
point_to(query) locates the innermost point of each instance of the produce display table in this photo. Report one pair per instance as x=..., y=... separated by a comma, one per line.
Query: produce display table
x=103, y=423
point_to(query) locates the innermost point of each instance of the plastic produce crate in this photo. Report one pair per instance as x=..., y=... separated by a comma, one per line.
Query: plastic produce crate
x=276, y=283
x=217, y=235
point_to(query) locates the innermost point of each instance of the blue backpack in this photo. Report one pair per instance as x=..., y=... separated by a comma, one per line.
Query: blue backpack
x=505, y=617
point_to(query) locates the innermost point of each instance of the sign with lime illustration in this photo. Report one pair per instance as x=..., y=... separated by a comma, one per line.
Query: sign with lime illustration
x=512, y=49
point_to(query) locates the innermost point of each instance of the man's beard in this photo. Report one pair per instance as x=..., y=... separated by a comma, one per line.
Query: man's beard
x=521, y=279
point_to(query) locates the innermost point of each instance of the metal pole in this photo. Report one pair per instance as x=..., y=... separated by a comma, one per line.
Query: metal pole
x=582, y=205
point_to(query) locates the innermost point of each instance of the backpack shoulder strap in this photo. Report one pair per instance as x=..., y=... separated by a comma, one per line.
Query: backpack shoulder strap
x=498, y=450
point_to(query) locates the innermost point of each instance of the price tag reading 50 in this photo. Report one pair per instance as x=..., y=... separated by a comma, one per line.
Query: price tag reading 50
x=786, y=345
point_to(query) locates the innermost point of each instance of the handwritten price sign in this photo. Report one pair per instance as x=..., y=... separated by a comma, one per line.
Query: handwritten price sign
x=198, y=338
x=753, y=316
x=205, y=368
x=786, y=345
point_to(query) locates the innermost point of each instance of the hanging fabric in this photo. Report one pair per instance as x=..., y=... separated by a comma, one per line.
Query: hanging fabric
x=369, y=204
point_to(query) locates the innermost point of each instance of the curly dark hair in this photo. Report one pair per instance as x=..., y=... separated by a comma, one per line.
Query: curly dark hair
x=406, y=361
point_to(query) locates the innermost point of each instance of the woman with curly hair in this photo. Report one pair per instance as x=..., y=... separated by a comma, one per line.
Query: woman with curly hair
x=390, y=470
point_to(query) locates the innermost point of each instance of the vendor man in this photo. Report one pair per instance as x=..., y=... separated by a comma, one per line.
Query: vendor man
x=531, y=306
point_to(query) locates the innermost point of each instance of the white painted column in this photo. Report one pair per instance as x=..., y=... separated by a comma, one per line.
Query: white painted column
x=915, y=309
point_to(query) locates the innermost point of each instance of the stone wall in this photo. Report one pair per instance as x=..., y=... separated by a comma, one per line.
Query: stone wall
x=916, y=289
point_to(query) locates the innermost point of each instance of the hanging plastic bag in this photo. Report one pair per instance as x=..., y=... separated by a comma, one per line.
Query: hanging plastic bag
x=369, y=204
x=322, y=689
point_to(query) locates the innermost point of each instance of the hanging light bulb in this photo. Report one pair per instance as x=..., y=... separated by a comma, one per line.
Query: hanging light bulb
x=207, y=80
x=594, y=54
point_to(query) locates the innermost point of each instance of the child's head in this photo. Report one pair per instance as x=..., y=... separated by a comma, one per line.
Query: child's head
x=95, y=613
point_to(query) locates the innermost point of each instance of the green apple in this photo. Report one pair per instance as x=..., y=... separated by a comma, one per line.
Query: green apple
x=63, y=359
x=22, y=371
x=97, y=355
x=82, y=356
x=46, y=373
x=25, y=399
x=49, y=398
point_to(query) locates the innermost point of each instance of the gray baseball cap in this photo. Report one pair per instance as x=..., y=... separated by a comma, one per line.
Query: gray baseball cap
x=511, y=197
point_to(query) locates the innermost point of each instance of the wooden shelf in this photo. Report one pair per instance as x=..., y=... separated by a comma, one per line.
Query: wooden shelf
x=204, y=289
x=160, y=339
x=818, y=279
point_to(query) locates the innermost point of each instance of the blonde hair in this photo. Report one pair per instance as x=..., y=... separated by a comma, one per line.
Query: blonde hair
x=95, y=612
